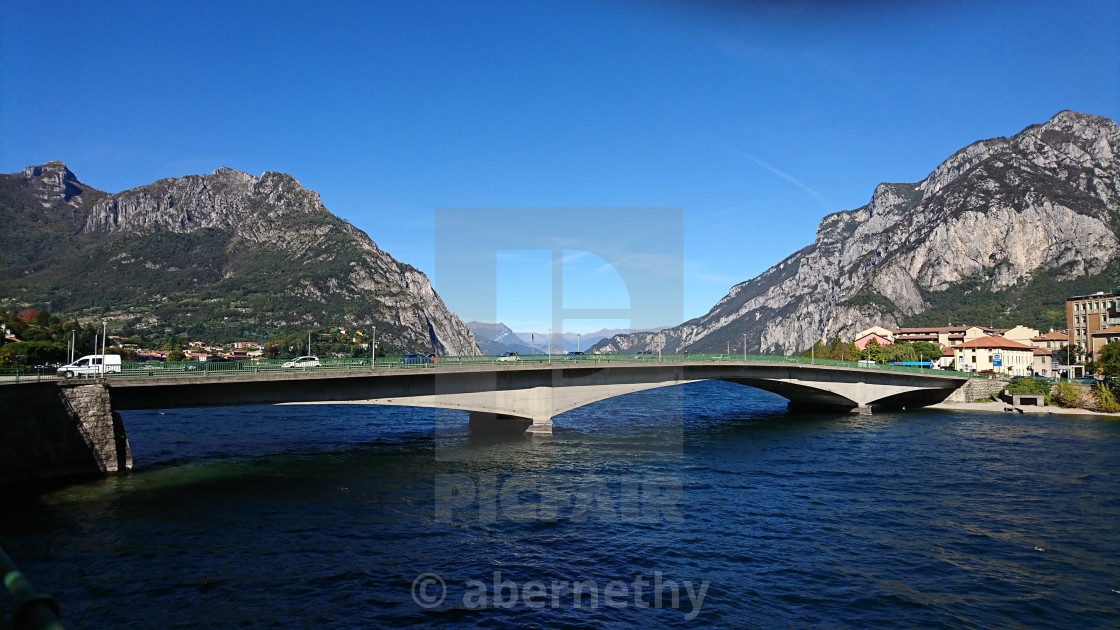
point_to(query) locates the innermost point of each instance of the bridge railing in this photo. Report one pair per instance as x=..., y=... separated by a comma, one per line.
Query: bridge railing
x=195, y=368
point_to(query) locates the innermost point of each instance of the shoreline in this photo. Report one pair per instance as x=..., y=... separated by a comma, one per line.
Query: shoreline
x=1001, y=407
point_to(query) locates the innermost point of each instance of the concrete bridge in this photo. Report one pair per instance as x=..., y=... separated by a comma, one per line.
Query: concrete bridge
x=500, y=398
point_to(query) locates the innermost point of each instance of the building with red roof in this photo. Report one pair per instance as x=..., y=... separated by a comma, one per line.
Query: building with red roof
x=994, y=354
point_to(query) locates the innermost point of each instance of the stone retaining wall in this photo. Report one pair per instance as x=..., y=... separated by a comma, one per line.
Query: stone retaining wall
x=52, y=431
x=977, y=388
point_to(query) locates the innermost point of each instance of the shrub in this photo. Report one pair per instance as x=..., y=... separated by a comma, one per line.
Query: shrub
x=1106, y=401
x=1029, y=386
x=1066, y=394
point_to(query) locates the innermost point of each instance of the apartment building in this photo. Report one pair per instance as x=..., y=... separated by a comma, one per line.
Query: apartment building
x=1087, y=315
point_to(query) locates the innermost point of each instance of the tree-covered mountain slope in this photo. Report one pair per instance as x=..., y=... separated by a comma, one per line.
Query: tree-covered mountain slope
x=211, y=255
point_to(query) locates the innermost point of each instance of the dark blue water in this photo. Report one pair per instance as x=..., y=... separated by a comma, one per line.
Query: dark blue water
x=353, y=516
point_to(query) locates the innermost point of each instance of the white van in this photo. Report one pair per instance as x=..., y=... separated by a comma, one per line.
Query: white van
x=865, y=363
x=92, y=365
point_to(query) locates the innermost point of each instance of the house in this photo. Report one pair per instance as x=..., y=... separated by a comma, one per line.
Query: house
x=994, y=354
x=1052, y=340
x=1022, y=334
x=880, y=335
x=1043, y=363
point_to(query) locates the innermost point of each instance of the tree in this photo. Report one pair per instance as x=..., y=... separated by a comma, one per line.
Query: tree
x=128, y=355
x=1109, y=359
x=176, y=355
x=1106, y=401
x=1066, y=394
x=1075, y=353
x=927, y=350
x=900, y=352
x=874, y=352
x=32, y=353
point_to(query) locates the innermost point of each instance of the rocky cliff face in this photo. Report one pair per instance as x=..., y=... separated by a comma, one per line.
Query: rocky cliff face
x=260, y=251
x=995, y=217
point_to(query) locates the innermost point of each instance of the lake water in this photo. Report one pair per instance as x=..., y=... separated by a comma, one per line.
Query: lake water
x=355, y=516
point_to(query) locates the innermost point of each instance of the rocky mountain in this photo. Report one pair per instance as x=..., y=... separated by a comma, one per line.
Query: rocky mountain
x=206, y=253
x=1000, y=233
x=569, y=342
x=497, y=338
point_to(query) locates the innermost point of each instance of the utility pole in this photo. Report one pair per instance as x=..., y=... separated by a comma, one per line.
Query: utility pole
x=104, y=334
x=744, y=347
x=308, y=343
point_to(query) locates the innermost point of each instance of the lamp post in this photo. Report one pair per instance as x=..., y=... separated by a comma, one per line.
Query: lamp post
x=744, y=347
x=373, y=349
x=550, y=346
x=577, y=342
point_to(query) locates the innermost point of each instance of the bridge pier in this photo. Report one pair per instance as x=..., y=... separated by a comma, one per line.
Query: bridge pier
x=60, y=431
x=483, y=423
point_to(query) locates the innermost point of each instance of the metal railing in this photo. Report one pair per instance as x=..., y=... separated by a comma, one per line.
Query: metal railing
x=155, y=369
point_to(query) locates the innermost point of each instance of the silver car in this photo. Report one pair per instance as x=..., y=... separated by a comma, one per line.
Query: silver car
x=302, y=362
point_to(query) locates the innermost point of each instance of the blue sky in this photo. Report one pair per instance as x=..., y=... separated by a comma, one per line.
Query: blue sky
x=755, y=118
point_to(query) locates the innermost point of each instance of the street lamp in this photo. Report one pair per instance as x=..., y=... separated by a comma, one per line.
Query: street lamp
x=550, y=346
x=373, y=349
x=744, y=347
x=577, y=342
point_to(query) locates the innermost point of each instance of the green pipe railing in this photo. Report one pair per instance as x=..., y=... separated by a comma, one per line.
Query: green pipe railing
x=195, y=368
x=33, y=610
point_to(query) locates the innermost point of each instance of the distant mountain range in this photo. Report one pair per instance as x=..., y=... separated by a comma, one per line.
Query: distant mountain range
x=210, y=256
x=999, y=234
x=499, y=338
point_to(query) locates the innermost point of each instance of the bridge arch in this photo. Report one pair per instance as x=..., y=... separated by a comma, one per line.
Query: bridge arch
x=537, y=392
